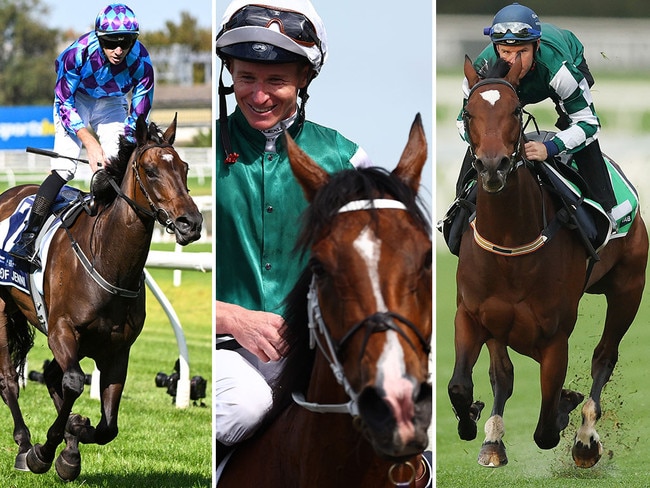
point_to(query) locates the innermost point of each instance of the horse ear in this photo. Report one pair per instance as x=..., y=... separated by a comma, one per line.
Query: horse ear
x=515, y=70
x=470, y=72
x=141, y=131
x=409, y=168
x=170, y=134
x=308, y=173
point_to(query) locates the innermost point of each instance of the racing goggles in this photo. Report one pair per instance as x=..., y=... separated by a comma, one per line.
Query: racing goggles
x=518, y=30
x=292, y=24
x=125, y=42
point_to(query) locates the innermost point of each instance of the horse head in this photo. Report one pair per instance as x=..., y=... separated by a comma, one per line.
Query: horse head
x=493, y=124
x=371, y=266
x=161, y=176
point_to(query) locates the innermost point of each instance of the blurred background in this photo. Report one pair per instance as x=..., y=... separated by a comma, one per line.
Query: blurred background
x=617, y=48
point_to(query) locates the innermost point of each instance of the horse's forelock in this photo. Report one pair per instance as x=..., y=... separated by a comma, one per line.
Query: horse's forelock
x=498, y=69
x=355, y=184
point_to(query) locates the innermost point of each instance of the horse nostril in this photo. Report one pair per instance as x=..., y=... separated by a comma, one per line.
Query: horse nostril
x=186, y=223
x=504, y=164
x=375, y=411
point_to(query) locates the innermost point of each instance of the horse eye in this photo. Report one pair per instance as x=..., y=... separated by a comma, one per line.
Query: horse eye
x=151, y=172
x=427, y=263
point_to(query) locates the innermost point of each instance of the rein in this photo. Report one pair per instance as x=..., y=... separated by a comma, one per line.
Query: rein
x=378, y=322
x=154, y=213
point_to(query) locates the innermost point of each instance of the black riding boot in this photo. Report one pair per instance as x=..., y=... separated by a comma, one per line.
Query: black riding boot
x=24, y=248
x=593, y=170
x=467, y=173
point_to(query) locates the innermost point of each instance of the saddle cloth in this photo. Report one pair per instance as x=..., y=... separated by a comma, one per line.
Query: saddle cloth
x=16, y=272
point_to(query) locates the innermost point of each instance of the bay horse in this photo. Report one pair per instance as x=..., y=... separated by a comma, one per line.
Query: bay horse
x=511, y=294
x=96, y=309
x=369, y=311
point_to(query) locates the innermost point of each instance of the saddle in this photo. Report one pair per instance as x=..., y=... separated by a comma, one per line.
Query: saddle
x=65, y=209
x=575, y=210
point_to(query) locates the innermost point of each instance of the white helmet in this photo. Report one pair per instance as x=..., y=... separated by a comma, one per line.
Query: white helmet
x=287, y=31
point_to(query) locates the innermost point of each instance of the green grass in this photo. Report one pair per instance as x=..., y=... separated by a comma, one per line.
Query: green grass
x=624, y=429
x=159, y=446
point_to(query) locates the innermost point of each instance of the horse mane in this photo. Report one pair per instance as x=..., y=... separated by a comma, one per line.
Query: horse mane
x=116, y=169
x=343, y=187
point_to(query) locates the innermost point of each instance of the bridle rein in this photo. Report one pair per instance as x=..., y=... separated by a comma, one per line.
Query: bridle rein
x=152, y=212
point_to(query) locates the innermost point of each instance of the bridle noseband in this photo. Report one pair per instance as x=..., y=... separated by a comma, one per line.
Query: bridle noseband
x=377, y=322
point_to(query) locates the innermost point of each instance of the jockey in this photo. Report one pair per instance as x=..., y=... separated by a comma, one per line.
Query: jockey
x=273, y=52
x=94, y=76
x=553, y=66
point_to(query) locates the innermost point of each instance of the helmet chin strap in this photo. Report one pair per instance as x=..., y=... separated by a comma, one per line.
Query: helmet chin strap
x=231, y=157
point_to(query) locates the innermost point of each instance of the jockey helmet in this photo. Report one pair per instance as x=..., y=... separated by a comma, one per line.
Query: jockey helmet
x=288, y=31
x=514, y=24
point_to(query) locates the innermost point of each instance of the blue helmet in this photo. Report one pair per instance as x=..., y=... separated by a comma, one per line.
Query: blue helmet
x=514, y=24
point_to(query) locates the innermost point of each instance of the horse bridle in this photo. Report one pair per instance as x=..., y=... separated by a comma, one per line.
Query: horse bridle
x=466, y=117
x=154, y=212
x=378, y=322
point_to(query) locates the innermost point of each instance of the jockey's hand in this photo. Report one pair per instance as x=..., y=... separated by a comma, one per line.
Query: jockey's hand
x=535, y=151
x=258, y=332
x=96, y=156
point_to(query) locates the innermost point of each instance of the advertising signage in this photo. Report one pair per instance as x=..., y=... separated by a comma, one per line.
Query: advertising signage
x=26, y=126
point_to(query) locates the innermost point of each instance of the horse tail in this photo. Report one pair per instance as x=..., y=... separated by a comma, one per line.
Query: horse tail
x=20, y=336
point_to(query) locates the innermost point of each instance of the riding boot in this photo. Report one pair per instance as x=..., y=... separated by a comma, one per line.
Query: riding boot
x=593, y=170
x=456, y=220
x=24, y=248
x=467, y=174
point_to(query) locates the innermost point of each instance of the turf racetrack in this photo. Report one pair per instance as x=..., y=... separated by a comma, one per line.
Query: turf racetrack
x=158, y=446
x=624, y=427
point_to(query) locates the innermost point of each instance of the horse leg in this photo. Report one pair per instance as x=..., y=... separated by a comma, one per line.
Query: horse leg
x=79, y=429
x=621, y=310
x=9, y=390
x=557, y=403
x=493, y=450
x=461, y=387
x=63, y=344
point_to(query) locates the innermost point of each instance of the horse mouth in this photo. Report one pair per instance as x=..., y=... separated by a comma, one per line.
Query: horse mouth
x=392, y=438
x=187, y=229
x=492, y=182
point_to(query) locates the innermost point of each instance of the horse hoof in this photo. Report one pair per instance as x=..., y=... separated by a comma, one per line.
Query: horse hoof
x=21, y=462
x=68, y=470
x=586, y=456
x=34, y=461
x=493, y=455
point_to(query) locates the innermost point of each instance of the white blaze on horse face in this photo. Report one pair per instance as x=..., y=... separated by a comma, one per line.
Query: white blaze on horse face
x=391, y=368
x=168, y=158
x=491, y=96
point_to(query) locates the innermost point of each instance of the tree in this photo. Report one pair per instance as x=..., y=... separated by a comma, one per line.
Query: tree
x=187, y=32
x=27, y=54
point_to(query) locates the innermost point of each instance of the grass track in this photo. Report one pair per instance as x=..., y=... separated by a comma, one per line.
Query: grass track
x=624, y=428
x=159, y=446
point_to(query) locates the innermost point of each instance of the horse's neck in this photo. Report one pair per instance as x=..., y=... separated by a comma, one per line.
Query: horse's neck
x=121, y=243
x=516, y=214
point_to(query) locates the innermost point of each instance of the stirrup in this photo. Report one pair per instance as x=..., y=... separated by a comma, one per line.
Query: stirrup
x=26, y=252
